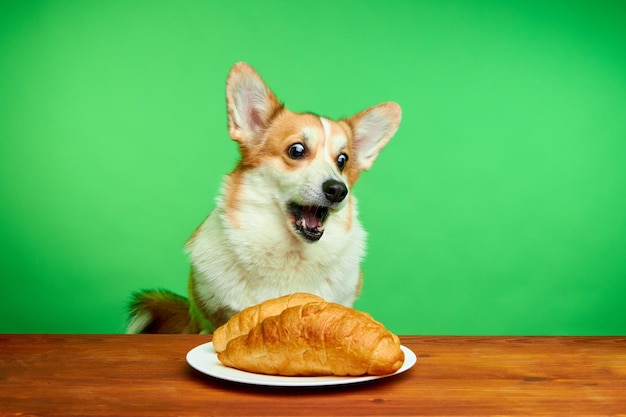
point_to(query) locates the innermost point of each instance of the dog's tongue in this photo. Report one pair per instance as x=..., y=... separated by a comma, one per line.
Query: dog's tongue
x=311, y=217
x=309, y=220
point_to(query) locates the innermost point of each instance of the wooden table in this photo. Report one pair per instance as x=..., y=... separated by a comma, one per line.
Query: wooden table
x=147, y=375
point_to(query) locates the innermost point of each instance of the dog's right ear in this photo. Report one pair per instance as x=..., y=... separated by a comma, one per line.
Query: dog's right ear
x=251, y=104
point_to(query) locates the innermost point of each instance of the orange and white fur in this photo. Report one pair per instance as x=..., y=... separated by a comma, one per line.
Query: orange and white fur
x=286, y=220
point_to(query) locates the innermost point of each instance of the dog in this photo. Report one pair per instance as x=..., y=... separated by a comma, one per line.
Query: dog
x=286, y=219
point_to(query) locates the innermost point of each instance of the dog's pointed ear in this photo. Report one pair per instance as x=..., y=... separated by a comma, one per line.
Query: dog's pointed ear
x=251, y=104
x=373, y=128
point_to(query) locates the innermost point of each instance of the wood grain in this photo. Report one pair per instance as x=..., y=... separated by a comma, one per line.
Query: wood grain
x=146, y=375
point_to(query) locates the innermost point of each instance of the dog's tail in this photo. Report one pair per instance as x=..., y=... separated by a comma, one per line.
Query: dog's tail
x=160, y=311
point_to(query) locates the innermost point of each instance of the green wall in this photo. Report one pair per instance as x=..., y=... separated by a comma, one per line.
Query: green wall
x=498, y=208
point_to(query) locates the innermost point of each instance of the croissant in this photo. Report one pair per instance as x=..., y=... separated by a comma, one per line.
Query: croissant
x=241, y=323
x=317, y=338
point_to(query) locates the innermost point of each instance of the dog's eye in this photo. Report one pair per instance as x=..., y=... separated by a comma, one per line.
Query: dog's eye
x=296, y=151
x=341, y=161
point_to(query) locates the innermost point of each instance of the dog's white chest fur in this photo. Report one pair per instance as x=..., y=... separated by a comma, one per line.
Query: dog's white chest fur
x=243, y=258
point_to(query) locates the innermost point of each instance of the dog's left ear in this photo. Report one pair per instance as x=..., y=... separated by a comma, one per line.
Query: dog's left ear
x=373, y=128
x=251, y=104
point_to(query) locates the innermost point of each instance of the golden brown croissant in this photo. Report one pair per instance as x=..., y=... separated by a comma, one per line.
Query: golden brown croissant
x=241, y=323
x=317, y=338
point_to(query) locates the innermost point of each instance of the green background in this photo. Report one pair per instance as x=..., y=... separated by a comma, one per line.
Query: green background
x=498, y=208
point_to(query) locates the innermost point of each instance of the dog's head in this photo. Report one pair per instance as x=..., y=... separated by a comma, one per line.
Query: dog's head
x=312, y=161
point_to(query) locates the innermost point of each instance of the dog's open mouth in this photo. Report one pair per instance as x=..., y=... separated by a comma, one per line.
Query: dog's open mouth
x=309, y=220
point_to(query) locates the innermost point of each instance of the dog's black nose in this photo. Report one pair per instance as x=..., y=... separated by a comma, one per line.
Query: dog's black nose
x=335, y=191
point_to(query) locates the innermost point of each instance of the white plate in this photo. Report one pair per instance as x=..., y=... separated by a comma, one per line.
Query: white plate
x=204, y=359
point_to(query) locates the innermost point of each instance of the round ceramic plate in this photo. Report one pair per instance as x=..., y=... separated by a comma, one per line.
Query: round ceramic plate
x=204, y=359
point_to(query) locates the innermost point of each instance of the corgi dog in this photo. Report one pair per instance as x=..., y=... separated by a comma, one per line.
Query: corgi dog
x=286, y=219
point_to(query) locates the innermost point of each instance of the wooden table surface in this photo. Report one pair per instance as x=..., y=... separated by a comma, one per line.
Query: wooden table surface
x=147, y=375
